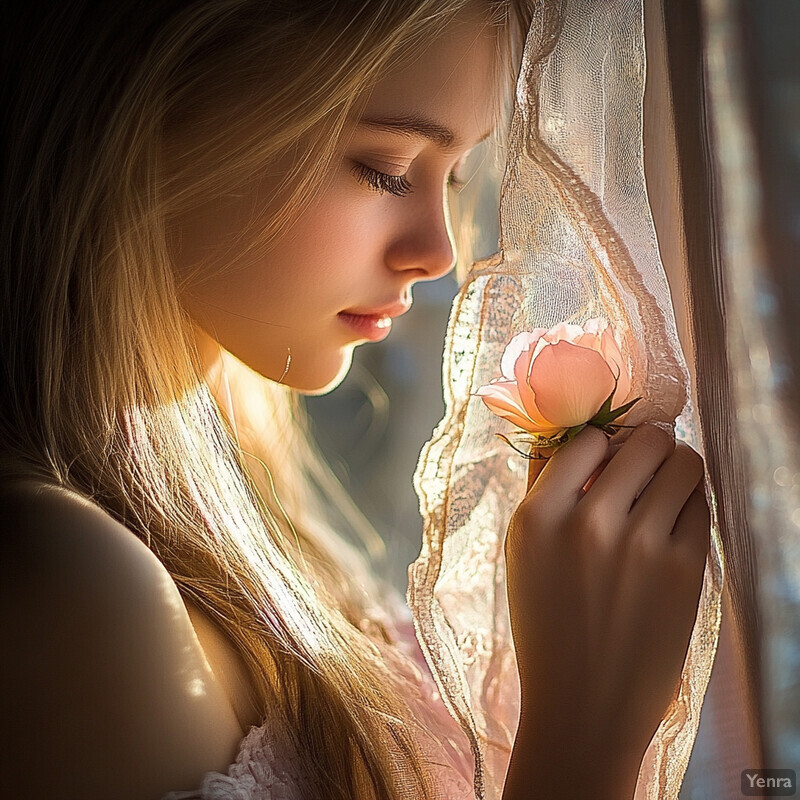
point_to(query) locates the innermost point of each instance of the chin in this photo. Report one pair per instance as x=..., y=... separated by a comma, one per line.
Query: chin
x=322, y=380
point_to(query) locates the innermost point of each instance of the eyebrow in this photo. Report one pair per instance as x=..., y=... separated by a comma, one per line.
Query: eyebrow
x=421, y=127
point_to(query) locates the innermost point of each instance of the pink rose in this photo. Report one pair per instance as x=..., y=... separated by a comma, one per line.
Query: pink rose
x=554, y=380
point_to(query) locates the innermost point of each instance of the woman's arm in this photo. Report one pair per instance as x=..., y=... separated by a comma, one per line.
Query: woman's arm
x=549, y=762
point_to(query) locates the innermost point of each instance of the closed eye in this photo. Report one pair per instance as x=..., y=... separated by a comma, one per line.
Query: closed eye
x=381, y=182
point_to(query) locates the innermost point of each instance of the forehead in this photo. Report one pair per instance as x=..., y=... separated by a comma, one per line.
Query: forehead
x=454, y=80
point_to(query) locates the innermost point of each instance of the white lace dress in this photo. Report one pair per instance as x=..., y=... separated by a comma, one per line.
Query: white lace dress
x=257, y=774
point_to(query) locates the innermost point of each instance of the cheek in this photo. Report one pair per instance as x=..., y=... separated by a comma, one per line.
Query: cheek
x=288, y=297
x=333, y=249
x=317, y=257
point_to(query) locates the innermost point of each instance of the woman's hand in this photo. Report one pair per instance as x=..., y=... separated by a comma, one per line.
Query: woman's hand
x=603, y=589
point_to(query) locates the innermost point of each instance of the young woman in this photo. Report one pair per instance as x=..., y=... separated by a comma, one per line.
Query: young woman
x=208, y=205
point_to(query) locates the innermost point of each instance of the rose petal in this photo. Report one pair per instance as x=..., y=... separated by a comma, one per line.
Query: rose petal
x=522, y=343
x=570, y=382
x=563, y=331
x=619, y=366
x=596, y=325
x=516, y=366
x=502, y=392
x=502, y=398
x=590, y=340
x=527, y=395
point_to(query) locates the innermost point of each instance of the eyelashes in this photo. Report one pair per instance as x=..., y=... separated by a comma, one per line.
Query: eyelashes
x=398, y=185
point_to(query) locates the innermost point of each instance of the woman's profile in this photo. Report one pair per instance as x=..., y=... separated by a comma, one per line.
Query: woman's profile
x=207, y=206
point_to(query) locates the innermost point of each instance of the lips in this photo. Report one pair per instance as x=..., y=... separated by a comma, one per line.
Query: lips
x=392, y=310
x=373, y=324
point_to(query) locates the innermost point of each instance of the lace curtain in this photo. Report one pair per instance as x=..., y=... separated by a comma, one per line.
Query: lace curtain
x=631, y=171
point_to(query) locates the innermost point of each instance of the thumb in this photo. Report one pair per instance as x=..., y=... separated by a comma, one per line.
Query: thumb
x=535, y=466
x=538, y=463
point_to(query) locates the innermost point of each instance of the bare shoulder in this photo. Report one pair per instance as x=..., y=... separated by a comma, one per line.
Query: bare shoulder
x=106, y=691
x=42, y=523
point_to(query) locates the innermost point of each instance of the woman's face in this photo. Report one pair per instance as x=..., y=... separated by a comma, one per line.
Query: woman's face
x=379, y=224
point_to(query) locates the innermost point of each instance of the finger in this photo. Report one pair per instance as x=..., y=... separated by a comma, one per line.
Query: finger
x=692, y=530
x=596, y=474
x=535, y=466
x=634, y=465
x=565, y=473
x=536, y=463
x=662, y=500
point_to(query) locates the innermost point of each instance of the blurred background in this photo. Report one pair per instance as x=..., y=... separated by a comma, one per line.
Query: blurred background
x=373, y=425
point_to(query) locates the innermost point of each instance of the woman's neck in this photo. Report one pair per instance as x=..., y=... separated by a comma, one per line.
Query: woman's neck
x=212, y=358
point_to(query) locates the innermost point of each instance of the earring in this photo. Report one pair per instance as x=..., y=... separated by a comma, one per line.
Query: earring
x=288, y=362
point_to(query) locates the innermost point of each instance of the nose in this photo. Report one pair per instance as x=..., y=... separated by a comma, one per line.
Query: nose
x=423, y=244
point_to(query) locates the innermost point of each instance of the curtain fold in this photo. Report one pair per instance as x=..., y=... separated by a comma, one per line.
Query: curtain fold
x=684, y=196
x=757, y=278
x=578, y=239
x=644, y=183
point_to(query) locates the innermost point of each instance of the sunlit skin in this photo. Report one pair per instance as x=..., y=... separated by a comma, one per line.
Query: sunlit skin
x=357, y=246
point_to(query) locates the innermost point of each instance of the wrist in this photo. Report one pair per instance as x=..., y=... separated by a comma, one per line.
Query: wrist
x=567, y=760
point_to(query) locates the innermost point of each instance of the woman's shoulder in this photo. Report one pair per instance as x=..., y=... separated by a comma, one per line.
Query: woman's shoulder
x=54, y=539
x=106, y=685
x=41, y=521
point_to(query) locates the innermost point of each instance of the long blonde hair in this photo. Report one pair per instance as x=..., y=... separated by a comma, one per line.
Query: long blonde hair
x=102, y=388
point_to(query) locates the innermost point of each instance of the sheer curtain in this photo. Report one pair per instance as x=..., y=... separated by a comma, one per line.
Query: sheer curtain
x=633, y=190
x=577, y=241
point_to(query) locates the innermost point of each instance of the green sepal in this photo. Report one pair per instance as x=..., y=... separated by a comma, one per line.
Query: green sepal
x=535, y=443
x=573, y=432
x=606, y=407
x=604, y=416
